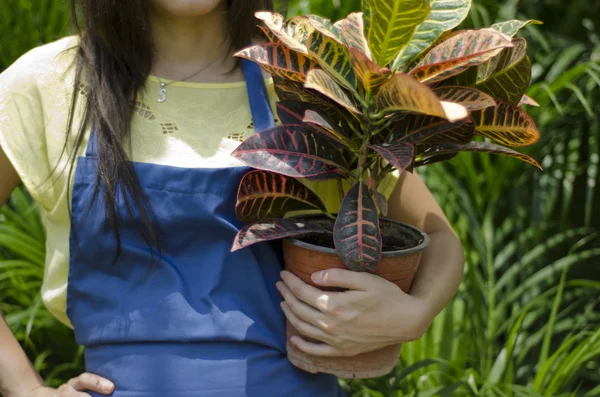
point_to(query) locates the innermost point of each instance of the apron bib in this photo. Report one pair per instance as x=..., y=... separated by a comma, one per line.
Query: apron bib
x=201, y=321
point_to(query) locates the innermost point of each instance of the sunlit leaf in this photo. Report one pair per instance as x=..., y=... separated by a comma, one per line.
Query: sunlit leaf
x=392, y=25
x=353, y=32
x=510, y=28
x=272, y=230
x=370, y=75
x=292, y=150
x=263, y=195
x=508, y=74
x=404, y=93
x=356, y=233
x=400, y=154
x=487, y=147
x=278, y=60
x=333, y=57
x=293, y=33
x=320, y=81
x=327, y=28
x=507, y=124
x=460, y=52
x=470, y=98
x=527, y=100
x=444, y=16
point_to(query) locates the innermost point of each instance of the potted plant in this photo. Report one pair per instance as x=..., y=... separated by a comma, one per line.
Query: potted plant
x=391, y=88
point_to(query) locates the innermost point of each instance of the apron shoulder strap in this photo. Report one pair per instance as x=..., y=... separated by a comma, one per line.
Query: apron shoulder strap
x=262, y=115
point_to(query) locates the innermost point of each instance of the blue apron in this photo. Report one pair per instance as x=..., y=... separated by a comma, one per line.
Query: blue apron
x=201, y=321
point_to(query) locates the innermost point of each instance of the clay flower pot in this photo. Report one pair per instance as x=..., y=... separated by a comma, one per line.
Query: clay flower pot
x=303, y=259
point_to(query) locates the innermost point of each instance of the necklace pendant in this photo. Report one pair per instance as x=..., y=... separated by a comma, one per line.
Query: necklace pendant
x=163, y=93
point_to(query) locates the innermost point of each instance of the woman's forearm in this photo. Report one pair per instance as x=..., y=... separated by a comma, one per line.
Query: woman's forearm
x=440, y=271
x=17, y=376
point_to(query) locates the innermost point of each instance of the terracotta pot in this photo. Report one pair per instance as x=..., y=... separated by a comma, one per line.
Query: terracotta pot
x=304, y=259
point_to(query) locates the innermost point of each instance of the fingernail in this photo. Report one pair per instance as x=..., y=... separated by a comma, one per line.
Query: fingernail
x=107, y=386
x=318, y=276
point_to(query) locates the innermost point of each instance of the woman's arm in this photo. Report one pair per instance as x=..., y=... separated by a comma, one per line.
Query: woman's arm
x=17, y=376
x=374, y=312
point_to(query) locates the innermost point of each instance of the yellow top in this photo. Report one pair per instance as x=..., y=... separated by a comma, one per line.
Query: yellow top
x=199, y=125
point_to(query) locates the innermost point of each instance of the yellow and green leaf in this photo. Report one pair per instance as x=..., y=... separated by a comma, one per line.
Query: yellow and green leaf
x=508, y=74
x=404, y=93
x=333, y=57
x=371, y=76
x=444, y=16
x=353, y=32
x=391, y=26
x=293, y=33
x=510, y=28
x=326, y=27
x=468, y=97
x=279, y=60
x=460, y=52
x=320, y=81
x=507, y=124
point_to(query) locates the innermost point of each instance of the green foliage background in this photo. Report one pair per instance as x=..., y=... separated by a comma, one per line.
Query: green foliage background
x=526, y=321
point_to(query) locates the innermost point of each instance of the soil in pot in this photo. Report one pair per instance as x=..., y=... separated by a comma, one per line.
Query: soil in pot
x=403, y=246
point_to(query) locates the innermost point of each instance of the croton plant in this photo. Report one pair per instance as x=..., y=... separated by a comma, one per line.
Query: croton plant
x=390, y=88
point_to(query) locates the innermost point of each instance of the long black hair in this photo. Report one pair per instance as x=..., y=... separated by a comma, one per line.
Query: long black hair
x=114, y=59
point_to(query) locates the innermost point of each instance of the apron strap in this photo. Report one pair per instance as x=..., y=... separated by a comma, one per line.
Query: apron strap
x=262, y=115
x=260, y=106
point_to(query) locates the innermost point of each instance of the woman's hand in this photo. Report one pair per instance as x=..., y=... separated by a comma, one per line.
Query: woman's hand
x=371, y=314
x=76, y=387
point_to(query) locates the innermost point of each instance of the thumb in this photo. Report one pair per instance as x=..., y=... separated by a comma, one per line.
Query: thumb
x=344, y=278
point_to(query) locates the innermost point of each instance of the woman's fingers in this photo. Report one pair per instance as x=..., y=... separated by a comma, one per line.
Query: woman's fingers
x=91, y=382
x=303, y=327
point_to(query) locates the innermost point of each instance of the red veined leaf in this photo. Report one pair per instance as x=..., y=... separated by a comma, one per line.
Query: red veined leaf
x=356, y=233
x=487, y=147
x=273, y=230
x=404, y=93
x=320, y=81
x=291, y=90
x=370, y=75
x=507, y=124
x=292, y=33
x=326, y=27
x=507, y=75
x=293, y=150
x=459, y=53
x=277, y=59
x=416, y=128
x=400, y=154
x=293, y=112
x=263, y=195
x=353, y=32
x=470, y=98
x=269, y=35
x=527, y=100
x=333, y=57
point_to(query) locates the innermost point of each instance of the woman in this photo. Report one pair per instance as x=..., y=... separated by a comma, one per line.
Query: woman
x=137, y=196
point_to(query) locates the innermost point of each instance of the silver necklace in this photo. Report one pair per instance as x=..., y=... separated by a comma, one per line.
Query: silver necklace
x=162, y=95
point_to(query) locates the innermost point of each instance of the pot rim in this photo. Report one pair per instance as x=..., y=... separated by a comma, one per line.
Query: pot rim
x=386, y=254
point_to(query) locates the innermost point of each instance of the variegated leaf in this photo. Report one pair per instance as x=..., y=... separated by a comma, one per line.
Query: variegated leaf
x=292, y=33
x=269, y=35
x=320, y=81
x=356, y=233
x=293, y=150
x=444, y=16
x=353, y=32
x=510, y=28
x=333, y=57
x=470, y=98
x=370, y=75
x=463, y=133
x=293, y=112
x=434, y=159
x=527, y=100
x=487, y=147
x=381, y=202
x=278, y=60
x=327, y=126
x=508, y=74
x=404, y=93
x=367, y=15
x=416, y=129
x=327, y=28
x=507, y=124
x=392, y=25
x=291, y=90
x=400, y=154
x=273, y=230
x=460, y=52
x=264, y=195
